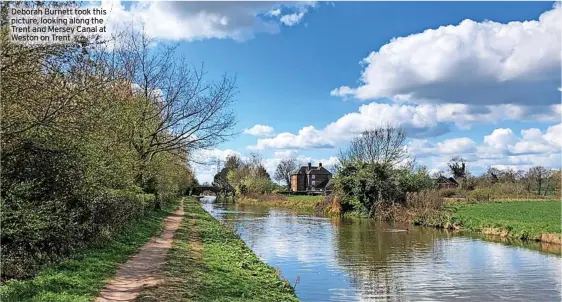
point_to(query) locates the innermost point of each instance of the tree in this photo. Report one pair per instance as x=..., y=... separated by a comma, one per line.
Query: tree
x=284, y=170
x=221, y=181
x=380, y=145
x=232, y=162
x=457, y=165
x=540, y=177
x=177, y=108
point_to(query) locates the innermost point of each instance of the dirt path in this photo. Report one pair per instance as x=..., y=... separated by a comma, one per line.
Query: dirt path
x=142, y=269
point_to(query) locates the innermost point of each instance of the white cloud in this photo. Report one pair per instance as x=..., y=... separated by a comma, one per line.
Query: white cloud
x=470, y=63
x=260, y=130
x=285, y=154
x=501, y=148
x=457, y=146
x=275, y=12
x=419, y=121
x=292, y=19
x=205, y=163
x=190, y=20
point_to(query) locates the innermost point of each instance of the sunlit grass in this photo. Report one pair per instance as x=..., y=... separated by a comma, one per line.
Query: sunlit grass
x=208, y=262
x=526, y=220
x=82, y=276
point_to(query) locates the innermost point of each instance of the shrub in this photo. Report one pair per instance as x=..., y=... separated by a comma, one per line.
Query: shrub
x=370, y=187
x=448, y=192
x=429, y=199
x=38, y=233
x=479, y=194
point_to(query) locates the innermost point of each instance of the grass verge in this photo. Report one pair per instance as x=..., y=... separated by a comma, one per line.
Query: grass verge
x=531, y=220
x=295, y=202
x=209, y=262
x=80, y=277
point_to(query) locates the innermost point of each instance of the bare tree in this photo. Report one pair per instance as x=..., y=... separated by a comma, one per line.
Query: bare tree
x=284, y=170
x=540, y=177
x=380, y=145
x=177, y=108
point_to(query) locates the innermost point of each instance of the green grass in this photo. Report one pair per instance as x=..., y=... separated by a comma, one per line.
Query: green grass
x=525, y=220
x=80, y=277
x=306, y=198
x=208, y=262
x=303, y=203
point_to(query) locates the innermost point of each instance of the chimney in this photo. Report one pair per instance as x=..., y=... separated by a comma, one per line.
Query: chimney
x=309, y=166
x=319, y=165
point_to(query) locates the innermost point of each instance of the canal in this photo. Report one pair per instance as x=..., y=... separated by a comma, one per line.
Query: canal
x=363, y=260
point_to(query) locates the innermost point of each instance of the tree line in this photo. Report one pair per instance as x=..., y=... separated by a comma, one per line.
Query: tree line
x=95, y=135
x=376, y=174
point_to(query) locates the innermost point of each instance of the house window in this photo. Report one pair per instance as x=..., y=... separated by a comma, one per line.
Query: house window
x=313, y=176
x=313, y=183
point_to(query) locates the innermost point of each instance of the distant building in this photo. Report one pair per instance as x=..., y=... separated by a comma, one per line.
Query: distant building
x=310, y=178
x=443, y=182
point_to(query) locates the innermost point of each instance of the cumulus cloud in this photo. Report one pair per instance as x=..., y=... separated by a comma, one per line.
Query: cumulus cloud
x=501, y=148
x=419, y=121
x=192, y=20
x=469, y=63
x=457, y=146
x=260, y=130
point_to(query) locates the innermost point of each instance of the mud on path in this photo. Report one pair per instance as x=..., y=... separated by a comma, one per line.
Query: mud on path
x=142, y=270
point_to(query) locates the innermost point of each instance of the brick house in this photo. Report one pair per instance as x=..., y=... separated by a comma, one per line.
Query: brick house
x=310, y=178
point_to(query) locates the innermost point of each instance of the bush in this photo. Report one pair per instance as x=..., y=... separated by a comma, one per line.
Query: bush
x=479, y=194
x=38, y=233
x=370, y=187
x=448, y=192
x=429, y=199
x=52, y=204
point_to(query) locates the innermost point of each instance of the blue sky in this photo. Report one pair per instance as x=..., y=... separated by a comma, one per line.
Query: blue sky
x=488, y=91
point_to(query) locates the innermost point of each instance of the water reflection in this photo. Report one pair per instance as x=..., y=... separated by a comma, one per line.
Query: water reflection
x=362, y=260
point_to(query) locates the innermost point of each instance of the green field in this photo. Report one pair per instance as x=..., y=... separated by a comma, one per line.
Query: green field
x=208, y=262
x=82, y=276
x=524, y=220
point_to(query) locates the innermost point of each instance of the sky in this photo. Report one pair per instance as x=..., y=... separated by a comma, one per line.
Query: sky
x=480, y=80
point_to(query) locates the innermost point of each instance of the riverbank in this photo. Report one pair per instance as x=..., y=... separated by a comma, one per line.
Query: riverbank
x=81, y=277
x=209, y=262
x=295, y=202
x=527, y=220
x=524, y=220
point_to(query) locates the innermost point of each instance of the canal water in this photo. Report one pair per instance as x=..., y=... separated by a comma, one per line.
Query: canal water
x=363, y=260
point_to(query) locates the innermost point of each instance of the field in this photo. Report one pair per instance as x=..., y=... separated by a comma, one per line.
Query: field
x=208, y=262
x=523, y=220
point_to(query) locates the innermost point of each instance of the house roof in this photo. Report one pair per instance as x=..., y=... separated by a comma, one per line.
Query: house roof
x=313, y=170
x=443, y=179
